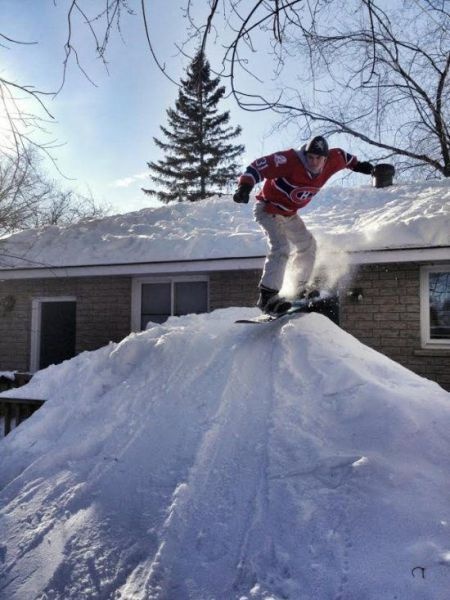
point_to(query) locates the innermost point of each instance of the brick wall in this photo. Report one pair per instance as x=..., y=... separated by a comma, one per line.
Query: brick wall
x=103, y=313
x=233, y=288
x=103, y=309
x=388, y=318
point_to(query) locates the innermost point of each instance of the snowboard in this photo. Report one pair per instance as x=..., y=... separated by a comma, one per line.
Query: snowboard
x=327, y=306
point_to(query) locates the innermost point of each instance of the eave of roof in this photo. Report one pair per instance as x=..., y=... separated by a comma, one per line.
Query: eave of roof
x=381, y=256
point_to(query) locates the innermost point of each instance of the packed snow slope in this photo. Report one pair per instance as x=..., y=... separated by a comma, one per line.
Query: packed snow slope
x=358, y=218
x=206, y=460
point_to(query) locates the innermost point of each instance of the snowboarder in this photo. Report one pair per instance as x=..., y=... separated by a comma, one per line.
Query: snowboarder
x=291, y=179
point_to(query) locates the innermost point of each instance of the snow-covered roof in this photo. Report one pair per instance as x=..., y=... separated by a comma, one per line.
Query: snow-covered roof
x=365, y=218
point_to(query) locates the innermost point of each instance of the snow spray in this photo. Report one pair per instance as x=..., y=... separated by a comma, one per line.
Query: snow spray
x=331, y=270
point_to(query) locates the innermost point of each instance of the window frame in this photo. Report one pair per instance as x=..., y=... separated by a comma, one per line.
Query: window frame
x=426, y=341
x=36, y=326
x=136, y=294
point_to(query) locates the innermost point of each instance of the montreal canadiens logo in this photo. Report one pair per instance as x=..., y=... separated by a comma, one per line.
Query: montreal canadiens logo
x=298, y=195
x=302, y=195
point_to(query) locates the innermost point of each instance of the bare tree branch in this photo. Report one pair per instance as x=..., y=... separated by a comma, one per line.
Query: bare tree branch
x=386, y=80
x=160, y=66
x=29, y=199
x=362, y=67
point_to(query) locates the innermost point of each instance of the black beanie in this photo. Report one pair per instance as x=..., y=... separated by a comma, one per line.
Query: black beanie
x=317, y=145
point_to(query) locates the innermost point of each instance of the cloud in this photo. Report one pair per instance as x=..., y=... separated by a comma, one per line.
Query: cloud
x=127, y=181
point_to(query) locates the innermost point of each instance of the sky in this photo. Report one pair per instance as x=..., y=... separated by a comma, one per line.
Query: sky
x=104, y=132
x=107, y=129
x=208, y=459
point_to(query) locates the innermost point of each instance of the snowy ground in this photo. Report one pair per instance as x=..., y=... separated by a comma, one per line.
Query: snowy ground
x=360, y=218
x=203, y=460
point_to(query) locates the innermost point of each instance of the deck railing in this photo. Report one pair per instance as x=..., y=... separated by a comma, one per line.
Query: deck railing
x=15, y=410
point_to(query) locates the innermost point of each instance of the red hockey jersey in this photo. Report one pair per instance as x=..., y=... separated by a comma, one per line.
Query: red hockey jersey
x=288, y=184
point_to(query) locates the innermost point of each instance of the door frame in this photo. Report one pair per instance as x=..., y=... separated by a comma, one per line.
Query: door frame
x=36, y=322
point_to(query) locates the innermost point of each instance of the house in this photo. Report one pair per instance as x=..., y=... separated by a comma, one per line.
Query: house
x=64, y=290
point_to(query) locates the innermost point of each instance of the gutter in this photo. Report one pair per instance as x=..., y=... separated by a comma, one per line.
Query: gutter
x=202, y=265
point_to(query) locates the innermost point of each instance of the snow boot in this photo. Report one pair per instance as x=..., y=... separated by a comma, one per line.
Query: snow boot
x=265, y=295
x=307, y=294
x=270, y=302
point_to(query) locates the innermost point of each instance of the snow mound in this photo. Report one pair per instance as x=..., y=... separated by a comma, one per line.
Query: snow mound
x=204, y=460
x=360, y=218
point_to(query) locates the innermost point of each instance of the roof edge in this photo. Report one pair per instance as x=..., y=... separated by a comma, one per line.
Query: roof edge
x=387, y=255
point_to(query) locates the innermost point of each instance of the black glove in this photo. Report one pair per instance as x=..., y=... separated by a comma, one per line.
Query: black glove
x=242, y=194
x=364, y=167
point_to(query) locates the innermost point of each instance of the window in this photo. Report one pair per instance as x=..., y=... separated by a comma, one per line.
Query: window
x=154, y=300
x=435, y=306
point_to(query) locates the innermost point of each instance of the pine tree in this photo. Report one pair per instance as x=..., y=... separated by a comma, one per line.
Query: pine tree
x=199, y=157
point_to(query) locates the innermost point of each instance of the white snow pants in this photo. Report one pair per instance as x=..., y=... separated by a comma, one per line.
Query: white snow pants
x=289, y=239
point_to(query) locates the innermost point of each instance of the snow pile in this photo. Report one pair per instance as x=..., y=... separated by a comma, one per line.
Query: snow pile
x=352, y=218
x=203, y=460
